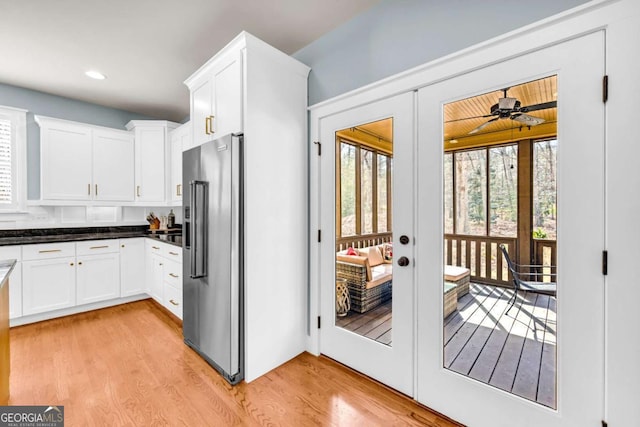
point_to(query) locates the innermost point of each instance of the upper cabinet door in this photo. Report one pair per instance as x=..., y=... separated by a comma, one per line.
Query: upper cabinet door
x=227, y=96
x=113, y=165
x=180, y=140
x=66, y=161
x=150, y=162
x=202, y=110
x=216, y=99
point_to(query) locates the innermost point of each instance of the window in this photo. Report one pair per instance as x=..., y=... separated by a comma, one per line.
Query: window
x=544, y=189
x=471, y=192
x=503, y=191
x=13, y=141
x=481, y=191
x=365, y=184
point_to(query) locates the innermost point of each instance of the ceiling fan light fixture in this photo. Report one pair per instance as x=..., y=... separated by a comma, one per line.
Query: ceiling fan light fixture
x=95, y=75
x=507, y=103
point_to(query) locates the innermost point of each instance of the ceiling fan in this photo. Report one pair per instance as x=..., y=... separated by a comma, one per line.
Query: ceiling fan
x=509, y=108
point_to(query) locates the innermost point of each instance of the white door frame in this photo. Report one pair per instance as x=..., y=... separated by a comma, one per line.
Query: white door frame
x=620, y=18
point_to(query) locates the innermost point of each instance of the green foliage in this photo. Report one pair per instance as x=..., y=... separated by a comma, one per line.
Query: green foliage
x=539, y=233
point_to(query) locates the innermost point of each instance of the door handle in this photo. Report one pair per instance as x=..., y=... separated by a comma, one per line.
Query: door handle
x=403, y=261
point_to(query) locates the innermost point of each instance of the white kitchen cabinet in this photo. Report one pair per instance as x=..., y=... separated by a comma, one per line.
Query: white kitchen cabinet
x=172, y=287
x=98, y=278
x=113, y=165
x=81, y=162
x=154, y=264
x=216, y=97
x=268, y=104
x=157, y=264
x=164, y=274
x=151, y=159
x=65, y=158
x=98, y=270
x=132, y=267
x=48, y=284
x=180, y=140
x=15, y=279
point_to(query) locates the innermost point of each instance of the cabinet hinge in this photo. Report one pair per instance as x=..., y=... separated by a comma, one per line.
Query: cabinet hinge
x=319, y=147
x=319, y=235
x=605, y=262
x=605, y=88
x=604, y=423
x=318, y=322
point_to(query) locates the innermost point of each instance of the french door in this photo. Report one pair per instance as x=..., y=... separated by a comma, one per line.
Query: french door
x=367, y=209
x=576, y=357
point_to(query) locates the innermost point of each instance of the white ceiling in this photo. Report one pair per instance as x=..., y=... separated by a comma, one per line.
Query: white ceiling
x=146, y=48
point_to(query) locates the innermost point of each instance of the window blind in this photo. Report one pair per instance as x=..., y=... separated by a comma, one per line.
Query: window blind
x=5, y=162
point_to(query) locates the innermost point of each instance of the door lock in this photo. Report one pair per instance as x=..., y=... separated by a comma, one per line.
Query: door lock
x=404, y=240
x=403, y=261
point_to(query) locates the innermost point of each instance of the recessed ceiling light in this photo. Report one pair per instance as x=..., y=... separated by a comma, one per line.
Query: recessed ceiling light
x=453, y=141
x=95, y=75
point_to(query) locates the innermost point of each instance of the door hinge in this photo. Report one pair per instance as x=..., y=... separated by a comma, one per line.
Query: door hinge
x=319, y=147
x=319, y=235
x=604, y=423
x=605, y=262
x=605, y=88
x=318, y=322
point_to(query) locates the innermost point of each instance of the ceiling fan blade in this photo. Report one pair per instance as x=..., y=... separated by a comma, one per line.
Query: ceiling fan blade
x=542, y=106
x=469, y=118
x=482, y=126
x=527, y=119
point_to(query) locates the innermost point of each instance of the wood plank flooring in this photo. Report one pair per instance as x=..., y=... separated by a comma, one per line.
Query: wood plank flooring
x=514, y=352
x=374, y=324
x=127, y=366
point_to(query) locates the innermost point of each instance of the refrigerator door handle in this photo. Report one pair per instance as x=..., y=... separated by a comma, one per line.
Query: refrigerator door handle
x=198, y=263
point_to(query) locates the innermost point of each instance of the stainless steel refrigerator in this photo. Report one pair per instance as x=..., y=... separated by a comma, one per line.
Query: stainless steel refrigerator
x=213, y=253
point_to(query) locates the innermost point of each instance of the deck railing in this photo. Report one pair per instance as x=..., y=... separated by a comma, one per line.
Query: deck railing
x=545, y=253
x=362, y=241
x=481, y=255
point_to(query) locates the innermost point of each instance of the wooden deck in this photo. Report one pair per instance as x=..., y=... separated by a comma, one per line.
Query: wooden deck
x=515, y=352
x=374, y=324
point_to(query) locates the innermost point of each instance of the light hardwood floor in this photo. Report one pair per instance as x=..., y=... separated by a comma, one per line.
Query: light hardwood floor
x=127, y=366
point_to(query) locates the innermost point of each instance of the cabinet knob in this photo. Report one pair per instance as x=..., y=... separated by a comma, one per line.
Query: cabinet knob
x=173, y=302
x=122, y=246
x=80, y=263
x=71, y=264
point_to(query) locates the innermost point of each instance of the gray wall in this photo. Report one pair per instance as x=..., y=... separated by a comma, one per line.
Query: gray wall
x=63, y=108
x=400, y=34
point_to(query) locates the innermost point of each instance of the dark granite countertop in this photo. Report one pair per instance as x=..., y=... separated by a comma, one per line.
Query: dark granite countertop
x=6, y=266
x=54, y=235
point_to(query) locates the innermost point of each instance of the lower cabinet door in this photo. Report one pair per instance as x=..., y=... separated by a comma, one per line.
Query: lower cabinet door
x=156, y=281
x=48, y=284
x=132, y=263
x=98, y=277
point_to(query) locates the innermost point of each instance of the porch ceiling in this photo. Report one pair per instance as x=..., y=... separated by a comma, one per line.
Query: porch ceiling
x=461, y=117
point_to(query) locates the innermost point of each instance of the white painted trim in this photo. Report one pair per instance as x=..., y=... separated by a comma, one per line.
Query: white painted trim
x=132, y=124
x=25, y=320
